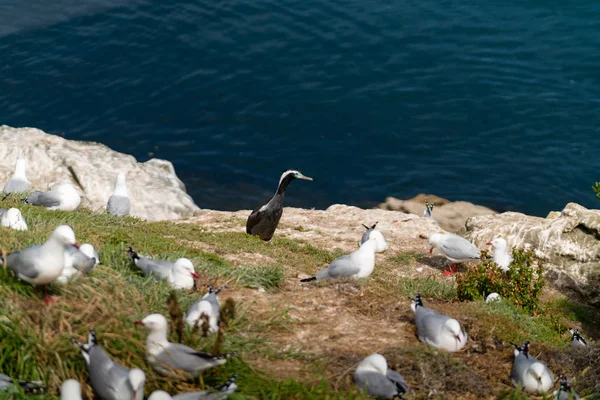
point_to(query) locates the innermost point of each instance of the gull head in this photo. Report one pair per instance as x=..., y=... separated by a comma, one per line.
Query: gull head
x=498, y=243
x=185, y=265
x=160, y=395
x=154, y=322
x=88, y=250
x=537, y=371
x=433, y=241
x=64, y=235
x=374, y=362
x=137, y=379
x=452, y=327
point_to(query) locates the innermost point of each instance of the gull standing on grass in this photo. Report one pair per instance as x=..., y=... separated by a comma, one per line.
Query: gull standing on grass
x=70, y=390
x=43, y=264
x=373, y=376
x=208, y=306
x=455, y=248
x=377, y=235
x=531, y=373
x=110, y=380
x=437, y=330
x=502, y=257
x=65, y=197
x=174, y=359
x=222, y=393
x=119, y=203
x=179, y=274
x=18, y=183
x=359, y=264
x=10, y=385
x=263, y=221
x=12, y=218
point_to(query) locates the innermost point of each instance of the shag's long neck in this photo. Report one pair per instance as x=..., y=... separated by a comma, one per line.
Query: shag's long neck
x=285, y=181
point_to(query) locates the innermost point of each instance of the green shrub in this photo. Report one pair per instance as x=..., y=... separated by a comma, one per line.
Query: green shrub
x=522, y=283
x=596, y=189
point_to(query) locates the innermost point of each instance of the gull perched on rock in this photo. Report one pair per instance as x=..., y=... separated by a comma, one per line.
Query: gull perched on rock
x=18, y=183
x=359, y=264
x=208, y=306
x=501, y=255
x=373, y=376
x=110, y=380
x=76, y=263
x=577, y=341
x=371, y=232
x=437, y=330
x=12, y=218
x=531, y=373
x=222, y=393
x=179, y=274
x=263, y=221
x=70, y=390
x=455, y=248
x=119, y=203
x=43, y=264
x=174, y=359
x=565, y=392
x=7, y=384
x=65, y=197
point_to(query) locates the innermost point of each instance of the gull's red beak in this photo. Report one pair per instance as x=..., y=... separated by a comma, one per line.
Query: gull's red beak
x=431, y=250
x=76, y=245
x=195, y=275
x=138, y=323
x=489, y=244
x=457, y=338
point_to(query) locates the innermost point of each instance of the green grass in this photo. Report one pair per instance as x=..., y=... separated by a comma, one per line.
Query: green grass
x=34, y=336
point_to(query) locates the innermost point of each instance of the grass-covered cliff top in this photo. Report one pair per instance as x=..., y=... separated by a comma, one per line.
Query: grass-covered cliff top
x=293, y=340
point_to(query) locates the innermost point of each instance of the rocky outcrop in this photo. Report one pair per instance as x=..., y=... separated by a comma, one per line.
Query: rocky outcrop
x=155, y=191
x=450, y=215
x=568, y=243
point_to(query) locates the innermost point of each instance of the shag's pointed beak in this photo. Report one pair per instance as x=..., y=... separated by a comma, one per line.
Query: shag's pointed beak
x=76, y=245
x=195, y=275
x=489, y=244
x=431, y=250
x=138, y=323
x=306, y=178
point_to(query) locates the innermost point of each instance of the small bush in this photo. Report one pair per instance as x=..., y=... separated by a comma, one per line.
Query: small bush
x=522, y=283
x=596, y=189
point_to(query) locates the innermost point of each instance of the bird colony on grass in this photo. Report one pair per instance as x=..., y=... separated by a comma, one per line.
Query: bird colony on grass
x=60, y=259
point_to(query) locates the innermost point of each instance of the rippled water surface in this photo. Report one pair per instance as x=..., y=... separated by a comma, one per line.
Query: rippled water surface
x=493, y=102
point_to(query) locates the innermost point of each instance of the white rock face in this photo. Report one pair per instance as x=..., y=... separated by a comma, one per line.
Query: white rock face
x=568, y=244
x=154, y=189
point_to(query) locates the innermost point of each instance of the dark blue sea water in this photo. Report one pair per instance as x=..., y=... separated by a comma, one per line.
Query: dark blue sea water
x=494, y=102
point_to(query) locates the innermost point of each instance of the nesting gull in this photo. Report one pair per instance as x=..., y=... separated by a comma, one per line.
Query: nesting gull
x=565, y=392
x=373, y=376
x=12, y=218
x=529, y=372
x=110, y=380
x=437, y=330
x=174, y=359
x=65, y=197
x=208, y=306
x=359, y=264
x=179, y=274
x=222, y=393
